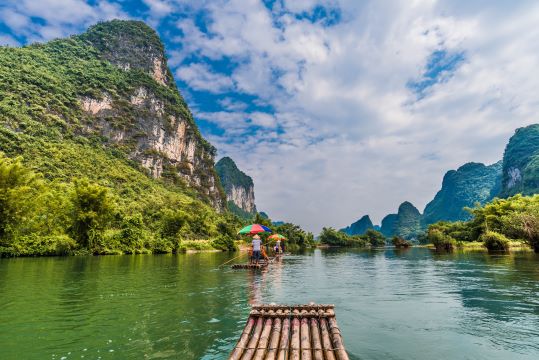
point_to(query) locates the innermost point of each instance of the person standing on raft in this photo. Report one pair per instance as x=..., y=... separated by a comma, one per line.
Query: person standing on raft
x=257, y=244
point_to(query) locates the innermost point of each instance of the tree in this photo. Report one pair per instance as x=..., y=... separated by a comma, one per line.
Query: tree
x=93, y=209
x=18, y=187
x=374, y=238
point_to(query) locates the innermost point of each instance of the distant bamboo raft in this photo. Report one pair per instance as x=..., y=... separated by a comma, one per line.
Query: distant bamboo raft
x=280, y=332
x=261, y=264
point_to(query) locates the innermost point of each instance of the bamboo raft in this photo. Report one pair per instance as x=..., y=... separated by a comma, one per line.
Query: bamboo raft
x=281, y=332
x=260, y=265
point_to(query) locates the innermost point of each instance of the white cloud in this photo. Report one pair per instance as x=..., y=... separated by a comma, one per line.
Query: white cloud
x=353, y=139
x=60, y=18
x=201, y=77
x=8, y=40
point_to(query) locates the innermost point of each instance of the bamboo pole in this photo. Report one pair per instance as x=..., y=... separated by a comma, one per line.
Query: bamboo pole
x=337, y=340
x=317, y=344
x=243, y=339
x=326, y=341
x=274, y=340
x=295, y=342
x=306, y=353
x=264, y=339
x=251, y=346
x=284, y=341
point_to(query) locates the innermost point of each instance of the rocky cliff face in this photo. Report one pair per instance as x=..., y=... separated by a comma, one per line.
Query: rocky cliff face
x=239, y=187
x=521, y=163
x=360, y=227
x=145, y=116
x=471, y=183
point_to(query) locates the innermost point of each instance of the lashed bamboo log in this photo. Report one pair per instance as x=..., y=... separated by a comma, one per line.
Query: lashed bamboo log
x=274, y=339
x=326, y=341
x=236, y=354
x=264, y=339
x=305, y=337
x=284, y=340
x=294, y=341
x=251, y=346
x=316, y=343
x=337, y=339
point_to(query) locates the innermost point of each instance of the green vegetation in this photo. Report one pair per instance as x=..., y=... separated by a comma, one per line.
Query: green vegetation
x=52, y=217
x=496, y=224
x=400, y=242
x=521, y=162
x=330, y=236
x=470, y=184
x=66, y=188
x=494, y=241
x=408, y=222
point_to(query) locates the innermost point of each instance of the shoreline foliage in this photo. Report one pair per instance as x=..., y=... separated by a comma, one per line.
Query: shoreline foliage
x=495, y=224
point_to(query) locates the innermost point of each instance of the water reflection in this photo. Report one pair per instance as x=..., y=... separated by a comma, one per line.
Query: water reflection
x=395, y=303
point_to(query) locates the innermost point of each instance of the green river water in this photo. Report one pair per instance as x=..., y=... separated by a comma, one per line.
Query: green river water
x=390, y=304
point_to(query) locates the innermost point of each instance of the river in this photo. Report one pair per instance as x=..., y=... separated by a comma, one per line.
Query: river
x=390, y=304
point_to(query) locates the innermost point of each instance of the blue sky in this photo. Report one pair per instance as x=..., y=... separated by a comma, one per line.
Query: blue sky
x=336, y=108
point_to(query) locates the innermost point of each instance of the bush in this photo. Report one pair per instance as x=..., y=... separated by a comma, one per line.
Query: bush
x=441, y=241
x=33, y=245
x=374, y=238
x=399, y=242
x=495, y=241
x=224, y=243
x=332, y=237
x=92, y=212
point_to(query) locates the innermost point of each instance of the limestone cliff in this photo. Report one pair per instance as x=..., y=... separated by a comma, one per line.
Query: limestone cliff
x=145, y=115
x=239, y=187
x=470, y=184
x=521, y=163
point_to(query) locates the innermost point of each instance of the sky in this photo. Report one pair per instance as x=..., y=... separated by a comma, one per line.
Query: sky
x=335, y=108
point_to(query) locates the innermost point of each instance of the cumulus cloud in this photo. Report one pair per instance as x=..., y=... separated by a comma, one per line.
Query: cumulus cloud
x=57, y=18
x=355, y=137
x=201, y=77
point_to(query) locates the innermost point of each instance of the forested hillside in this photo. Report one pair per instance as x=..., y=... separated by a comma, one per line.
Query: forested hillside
x=100, y=152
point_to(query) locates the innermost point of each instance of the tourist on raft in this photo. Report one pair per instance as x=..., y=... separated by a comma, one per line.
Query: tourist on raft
x=277, y=246
x=257, y=246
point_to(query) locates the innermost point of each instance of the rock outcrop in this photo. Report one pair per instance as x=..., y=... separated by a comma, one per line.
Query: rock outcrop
x=239, y=187
x=521, y=163
x=360, y=227
x=147, y=117
x=470, y=184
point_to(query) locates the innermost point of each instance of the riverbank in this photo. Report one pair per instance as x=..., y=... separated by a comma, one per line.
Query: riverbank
x=514, y=245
